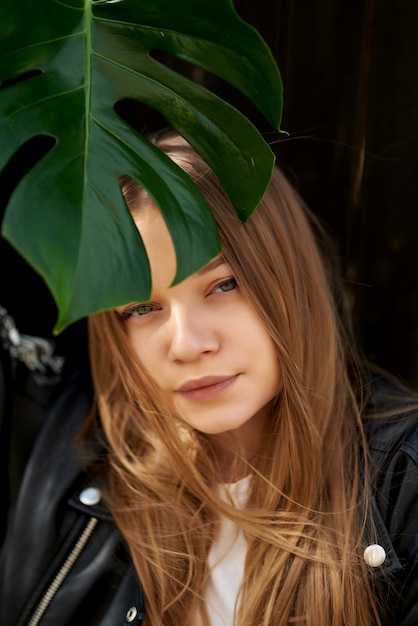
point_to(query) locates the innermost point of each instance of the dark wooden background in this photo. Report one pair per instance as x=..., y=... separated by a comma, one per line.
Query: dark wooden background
x=350, y=73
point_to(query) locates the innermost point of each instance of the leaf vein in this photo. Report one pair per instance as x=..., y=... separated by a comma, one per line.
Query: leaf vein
x=42, y=44
x=31, y=104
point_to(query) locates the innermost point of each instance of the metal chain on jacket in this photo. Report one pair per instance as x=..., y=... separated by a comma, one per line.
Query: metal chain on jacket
x=35, y=353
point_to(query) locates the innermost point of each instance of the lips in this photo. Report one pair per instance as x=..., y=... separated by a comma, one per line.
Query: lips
x=207, y=388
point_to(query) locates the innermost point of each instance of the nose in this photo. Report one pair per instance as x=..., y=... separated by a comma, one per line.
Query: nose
x=191, y=334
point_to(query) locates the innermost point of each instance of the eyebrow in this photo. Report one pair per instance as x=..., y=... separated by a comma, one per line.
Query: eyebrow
x=216, y=262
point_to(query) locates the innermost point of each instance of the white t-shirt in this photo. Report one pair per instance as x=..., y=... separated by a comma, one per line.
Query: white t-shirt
x=226, y=561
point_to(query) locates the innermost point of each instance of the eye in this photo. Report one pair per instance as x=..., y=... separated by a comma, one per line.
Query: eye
x=138, y=310
x=227, y=285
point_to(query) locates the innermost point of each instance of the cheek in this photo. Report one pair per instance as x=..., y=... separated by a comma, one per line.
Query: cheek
x=276, y=377
x=271, y=365
x=266, y=356
x=144, y=348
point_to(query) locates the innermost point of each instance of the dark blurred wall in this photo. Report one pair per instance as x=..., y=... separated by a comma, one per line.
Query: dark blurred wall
x=350, y=72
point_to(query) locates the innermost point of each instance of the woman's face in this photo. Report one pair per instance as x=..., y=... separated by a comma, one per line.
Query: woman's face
x=202, y=342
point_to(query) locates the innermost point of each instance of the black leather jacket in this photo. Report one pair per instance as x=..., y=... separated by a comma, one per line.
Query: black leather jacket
x=64, y=563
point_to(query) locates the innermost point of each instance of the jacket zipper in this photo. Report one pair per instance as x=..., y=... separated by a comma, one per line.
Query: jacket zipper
x=63, y=572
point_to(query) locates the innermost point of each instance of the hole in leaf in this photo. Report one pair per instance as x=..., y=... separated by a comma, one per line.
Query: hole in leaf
x=141, y=117
x=187, y=69
x=9, y=82
x=145, y=119
x=21, y=162
x=20, y=283
x=213, y=83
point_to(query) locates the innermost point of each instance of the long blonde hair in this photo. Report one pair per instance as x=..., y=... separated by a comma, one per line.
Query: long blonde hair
x=305, y=517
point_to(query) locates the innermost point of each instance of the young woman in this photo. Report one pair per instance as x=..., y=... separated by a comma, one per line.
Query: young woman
x=241, y=464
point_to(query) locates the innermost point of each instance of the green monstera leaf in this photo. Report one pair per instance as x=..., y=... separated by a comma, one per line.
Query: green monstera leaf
x=64, y=67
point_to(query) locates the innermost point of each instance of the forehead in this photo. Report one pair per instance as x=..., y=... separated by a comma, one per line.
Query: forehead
x=160, y=248
x=158, y=244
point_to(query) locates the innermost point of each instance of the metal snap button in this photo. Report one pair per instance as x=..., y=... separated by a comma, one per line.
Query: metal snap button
x=90, y=496
x=131, y=614
x=374, y=555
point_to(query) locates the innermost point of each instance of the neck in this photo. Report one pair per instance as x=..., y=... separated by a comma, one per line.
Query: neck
x=234, y=461
x=237, y=450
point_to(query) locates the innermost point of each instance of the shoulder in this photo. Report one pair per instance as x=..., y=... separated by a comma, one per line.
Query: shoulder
x=391, y=428
x=70, y=409
x=61, y=524
x=391, y=421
